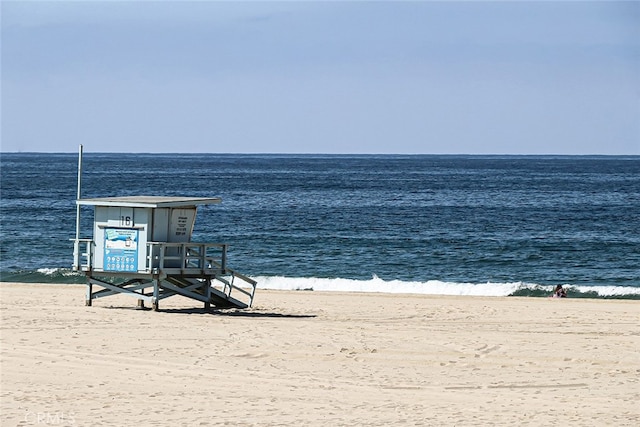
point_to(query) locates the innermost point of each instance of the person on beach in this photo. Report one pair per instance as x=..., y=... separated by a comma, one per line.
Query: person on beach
x=559, y=292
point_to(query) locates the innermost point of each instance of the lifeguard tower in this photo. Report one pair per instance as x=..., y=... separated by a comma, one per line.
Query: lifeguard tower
x=142, y=247
x=144, y=242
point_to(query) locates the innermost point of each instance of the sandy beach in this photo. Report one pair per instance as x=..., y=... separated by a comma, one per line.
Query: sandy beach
x=310, y=358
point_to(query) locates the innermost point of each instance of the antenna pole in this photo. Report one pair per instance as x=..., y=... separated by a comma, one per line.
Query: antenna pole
x=76, y=246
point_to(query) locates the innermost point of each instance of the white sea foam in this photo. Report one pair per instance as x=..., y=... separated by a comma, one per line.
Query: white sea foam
x=375, y=284
x=430, y=287
x=57, y=271
x=607, y=291
x=48, y=271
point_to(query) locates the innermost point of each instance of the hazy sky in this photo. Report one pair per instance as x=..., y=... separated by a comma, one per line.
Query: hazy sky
x=321, y=77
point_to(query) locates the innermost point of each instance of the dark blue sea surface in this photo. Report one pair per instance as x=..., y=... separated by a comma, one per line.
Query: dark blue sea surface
x=496, y=224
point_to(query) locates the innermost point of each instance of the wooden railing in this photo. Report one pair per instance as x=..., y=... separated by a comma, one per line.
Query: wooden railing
x=186, y=258
x=247, y=285
x=162, y=257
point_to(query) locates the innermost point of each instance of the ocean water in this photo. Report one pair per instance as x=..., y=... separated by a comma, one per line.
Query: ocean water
x=463, y=225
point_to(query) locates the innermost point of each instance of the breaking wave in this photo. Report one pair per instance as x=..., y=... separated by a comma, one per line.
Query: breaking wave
x=375, y=284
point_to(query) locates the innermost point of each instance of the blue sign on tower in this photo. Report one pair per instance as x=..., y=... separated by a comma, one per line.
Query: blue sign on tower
x=121, y=249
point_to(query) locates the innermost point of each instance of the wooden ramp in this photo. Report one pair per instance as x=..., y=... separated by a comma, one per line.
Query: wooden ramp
x=205, y=291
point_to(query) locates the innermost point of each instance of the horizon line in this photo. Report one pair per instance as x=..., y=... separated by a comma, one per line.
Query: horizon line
x=325, y=154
